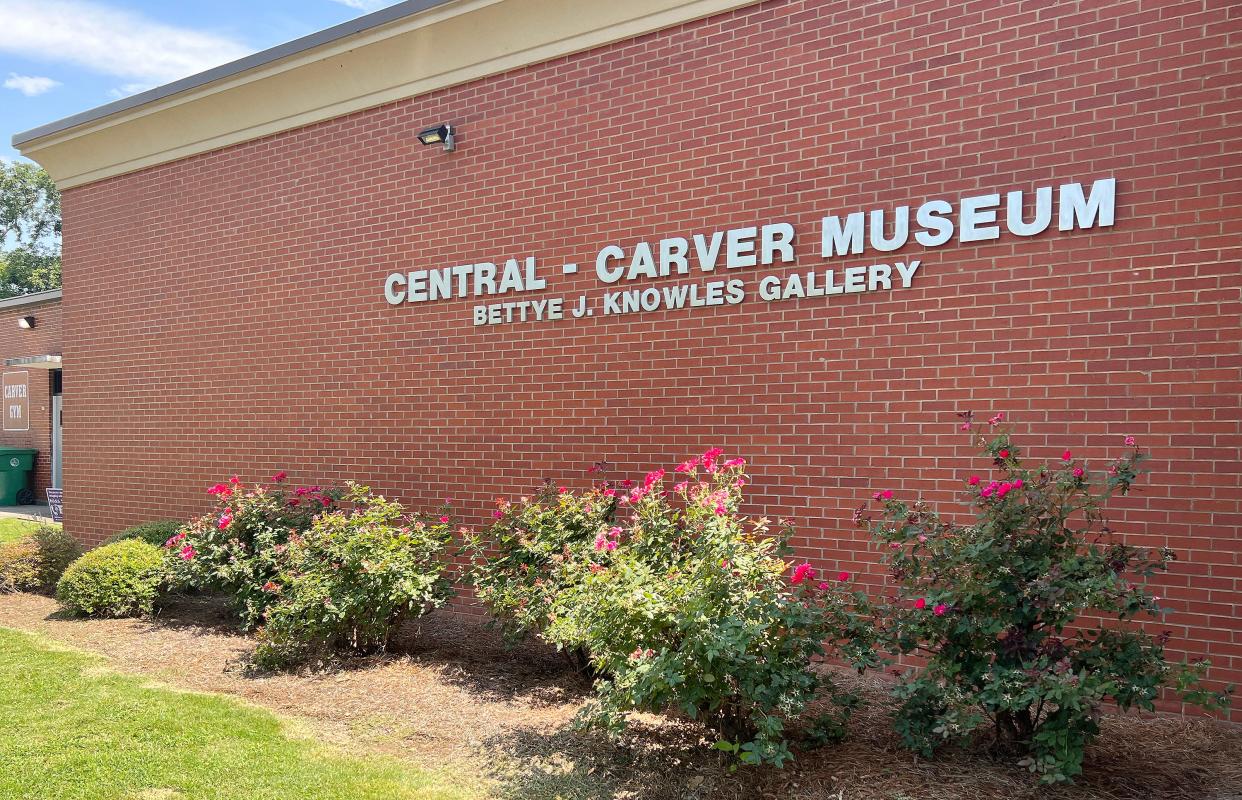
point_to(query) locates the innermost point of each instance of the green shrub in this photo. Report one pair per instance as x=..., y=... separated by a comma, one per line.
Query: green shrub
x=519, y=575
x=350, y=580
x=689, y=607
x=156, y=533
x=35, y=562
x=115, y=580
x=239, y=547
x=1010, y=611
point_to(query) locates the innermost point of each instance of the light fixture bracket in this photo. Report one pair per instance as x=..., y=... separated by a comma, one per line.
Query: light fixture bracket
x=440, y=134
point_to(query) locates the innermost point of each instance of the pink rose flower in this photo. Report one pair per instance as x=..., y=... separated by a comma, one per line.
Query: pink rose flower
x=921, y=603
x=1078, y=473
x=1130, y=442
x=974, y=480
x=709, y=458
x=1067, y=456
x=940, y=609
x=802, y=572
x=843, y=576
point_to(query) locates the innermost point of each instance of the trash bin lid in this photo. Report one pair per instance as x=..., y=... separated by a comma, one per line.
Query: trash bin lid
x=17, y=451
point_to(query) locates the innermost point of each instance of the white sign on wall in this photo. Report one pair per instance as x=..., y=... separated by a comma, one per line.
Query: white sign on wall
x=735, y=254
x=16, y=388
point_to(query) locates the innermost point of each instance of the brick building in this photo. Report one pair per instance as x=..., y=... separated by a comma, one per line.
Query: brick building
x=30, y=346
x=265, y=269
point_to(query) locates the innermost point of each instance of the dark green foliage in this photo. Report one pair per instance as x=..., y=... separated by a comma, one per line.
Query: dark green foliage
x=156, y=533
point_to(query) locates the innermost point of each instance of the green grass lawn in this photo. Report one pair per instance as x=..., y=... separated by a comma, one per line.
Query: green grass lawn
x=14, y=528
x=72, y=730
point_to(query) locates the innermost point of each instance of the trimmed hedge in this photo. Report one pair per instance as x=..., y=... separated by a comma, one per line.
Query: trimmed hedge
x=154, y=533
x=115, y=580
x=35, y=562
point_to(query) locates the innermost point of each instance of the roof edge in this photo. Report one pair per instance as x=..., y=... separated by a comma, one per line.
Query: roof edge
x=405, y=51
x=31, y=299
x=352, y=27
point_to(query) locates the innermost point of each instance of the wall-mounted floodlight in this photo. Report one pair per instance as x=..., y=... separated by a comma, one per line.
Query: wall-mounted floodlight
x=441, y=134
x=26, y=323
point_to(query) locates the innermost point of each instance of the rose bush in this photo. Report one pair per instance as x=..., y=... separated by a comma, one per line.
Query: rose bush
x=238, y=547
x=348, y=582
x=1010, y=612
x=688, y=604
x=518, y=576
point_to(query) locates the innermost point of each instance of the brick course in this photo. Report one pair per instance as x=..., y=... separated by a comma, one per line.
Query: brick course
x=225, y=313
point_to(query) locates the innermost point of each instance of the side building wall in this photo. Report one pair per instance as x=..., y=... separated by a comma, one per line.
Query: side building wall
x=15, y=342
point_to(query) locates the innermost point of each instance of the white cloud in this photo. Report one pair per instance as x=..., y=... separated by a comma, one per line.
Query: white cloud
x=129, y=89
x=30, y=85
x=365, y=5
x=109, y=40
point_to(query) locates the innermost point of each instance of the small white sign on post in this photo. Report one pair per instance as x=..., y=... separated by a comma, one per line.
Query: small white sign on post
x=55, y=501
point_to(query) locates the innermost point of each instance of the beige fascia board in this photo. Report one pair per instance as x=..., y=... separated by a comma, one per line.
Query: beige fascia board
x=444, y=46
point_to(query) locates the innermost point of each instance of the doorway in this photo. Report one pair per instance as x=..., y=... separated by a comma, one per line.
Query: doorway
x=57, y=425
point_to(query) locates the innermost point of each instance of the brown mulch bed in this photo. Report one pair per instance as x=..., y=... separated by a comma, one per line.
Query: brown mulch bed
x=453, y=696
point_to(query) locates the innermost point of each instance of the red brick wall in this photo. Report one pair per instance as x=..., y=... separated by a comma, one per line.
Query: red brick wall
x=43, y=339
x=226, y=311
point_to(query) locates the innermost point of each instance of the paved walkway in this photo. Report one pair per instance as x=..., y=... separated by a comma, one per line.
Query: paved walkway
x=34, y=513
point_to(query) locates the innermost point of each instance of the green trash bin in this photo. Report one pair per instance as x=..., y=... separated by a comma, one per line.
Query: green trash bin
x=15, y=466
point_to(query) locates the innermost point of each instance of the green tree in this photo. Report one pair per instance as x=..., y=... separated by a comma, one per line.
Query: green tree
x=29, y=230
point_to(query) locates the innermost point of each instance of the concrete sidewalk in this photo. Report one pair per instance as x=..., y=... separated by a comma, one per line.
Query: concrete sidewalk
x=33, y=513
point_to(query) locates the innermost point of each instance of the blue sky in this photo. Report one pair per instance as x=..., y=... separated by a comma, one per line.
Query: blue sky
x=59, y=57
